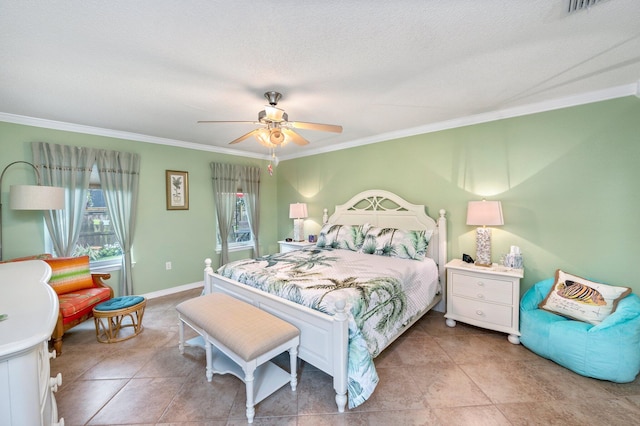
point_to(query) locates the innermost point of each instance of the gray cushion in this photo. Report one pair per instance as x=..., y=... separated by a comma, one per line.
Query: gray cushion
x=248, y=331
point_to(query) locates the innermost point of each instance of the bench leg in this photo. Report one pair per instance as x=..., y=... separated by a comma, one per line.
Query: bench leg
x=293, y=355
x=209, y=353
x=181, y=334
x=248, y=381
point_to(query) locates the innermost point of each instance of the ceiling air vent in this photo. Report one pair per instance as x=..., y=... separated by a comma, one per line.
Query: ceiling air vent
x=576, y=5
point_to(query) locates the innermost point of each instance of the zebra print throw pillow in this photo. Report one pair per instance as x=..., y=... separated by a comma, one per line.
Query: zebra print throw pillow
x=583, y=300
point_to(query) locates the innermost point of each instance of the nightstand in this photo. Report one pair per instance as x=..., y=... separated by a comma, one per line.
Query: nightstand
x=287, y=246
x=487, y=297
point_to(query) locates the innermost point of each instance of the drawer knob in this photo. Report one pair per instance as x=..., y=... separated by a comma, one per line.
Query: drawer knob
x=54, y=382
x=480, y=284
x=480, y=296
x=479, y=313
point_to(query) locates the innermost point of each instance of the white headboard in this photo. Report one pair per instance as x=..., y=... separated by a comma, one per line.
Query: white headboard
x=388, y=210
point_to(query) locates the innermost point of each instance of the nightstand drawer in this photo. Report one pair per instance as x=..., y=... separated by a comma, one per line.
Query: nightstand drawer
x=481, y=311
x=482, y=288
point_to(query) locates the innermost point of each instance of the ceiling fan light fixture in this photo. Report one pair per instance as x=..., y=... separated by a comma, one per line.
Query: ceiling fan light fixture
x=276, y=137
x=263, y=138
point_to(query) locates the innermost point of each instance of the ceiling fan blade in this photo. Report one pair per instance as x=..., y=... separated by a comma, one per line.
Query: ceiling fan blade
x=213, y=121
x=245, y=136
x=316, y=126
x=296, y=138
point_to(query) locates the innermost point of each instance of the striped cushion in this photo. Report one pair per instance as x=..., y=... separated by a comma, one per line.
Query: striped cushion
x=72, y=303
x=70, y=274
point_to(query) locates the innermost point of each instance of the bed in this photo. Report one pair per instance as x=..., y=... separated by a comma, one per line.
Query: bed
x=329, y=326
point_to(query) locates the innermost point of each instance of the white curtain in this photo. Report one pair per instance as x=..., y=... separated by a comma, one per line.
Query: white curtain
x=250, y=183
x=68, y=167
x=225, y=186
x=119, y=175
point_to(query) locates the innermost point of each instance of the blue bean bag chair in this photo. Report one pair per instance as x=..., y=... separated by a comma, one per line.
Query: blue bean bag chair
x=607, y=351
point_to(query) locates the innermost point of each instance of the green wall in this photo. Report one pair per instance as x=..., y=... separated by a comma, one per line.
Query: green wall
x=185, y=238
x=568, y=181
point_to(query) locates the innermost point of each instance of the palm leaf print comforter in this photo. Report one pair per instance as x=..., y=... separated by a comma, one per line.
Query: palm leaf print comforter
x=382, y=294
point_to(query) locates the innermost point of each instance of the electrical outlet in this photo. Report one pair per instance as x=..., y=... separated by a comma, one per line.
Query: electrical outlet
x=167, y=265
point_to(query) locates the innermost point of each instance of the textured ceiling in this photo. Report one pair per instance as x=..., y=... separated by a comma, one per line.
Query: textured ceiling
x=154, y=68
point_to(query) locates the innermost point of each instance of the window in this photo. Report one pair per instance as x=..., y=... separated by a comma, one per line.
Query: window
x=97, y=238
x=240, y=236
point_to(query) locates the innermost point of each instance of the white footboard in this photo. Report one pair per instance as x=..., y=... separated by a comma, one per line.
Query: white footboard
x=323, y=338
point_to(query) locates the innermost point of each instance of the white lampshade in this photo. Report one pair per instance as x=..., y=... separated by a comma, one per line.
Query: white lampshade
x=484, y=213
x=298, y=211
x=36, y=197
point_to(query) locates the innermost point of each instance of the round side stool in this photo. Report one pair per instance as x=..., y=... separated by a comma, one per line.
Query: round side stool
x=110, y=318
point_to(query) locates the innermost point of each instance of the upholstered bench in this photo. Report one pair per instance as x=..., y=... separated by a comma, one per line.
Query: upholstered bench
x=245, y=339
x=110, y=318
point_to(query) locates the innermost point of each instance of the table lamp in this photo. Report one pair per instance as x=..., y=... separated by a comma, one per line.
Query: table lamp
x=482, y=214
x=298, y=212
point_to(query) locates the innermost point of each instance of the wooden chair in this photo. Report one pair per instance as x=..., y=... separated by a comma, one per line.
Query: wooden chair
x=78, y=292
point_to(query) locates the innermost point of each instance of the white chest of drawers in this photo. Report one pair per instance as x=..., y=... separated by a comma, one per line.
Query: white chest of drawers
x=487, y=297
x=31, y=306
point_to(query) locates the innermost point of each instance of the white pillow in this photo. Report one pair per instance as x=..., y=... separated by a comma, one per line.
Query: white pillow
x=397, y=243
x=348, y=237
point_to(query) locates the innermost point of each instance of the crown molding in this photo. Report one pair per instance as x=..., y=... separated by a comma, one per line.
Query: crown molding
x=98, y=131
x=566, y=102
x=581, y=99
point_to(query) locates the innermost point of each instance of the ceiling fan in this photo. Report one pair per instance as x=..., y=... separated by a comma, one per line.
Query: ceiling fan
x=276, y=129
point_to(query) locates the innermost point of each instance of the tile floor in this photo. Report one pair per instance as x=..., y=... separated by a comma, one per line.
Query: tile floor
x=433, y=375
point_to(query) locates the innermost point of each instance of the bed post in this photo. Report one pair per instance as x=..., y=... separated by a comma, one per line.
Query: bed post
x=208, y=270
x=442, y=259
x=341, y=354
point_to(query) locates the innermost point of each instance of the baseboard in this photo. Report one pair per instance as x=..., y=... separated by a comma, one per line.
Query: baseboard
x=173, y=290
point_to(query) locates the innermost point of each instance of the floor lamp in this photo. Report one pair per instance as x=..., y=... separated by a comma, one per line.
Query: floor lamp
x=31, y=197
x=482, y=214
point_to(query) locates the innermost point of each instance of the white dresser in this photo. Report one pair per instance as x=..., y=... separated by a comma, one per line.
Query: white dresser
x=487, y=297
x=31, y=309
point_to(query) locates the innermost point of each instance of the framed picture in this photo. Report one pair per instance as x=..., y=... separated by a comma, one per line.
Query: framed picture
x=177, y=190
